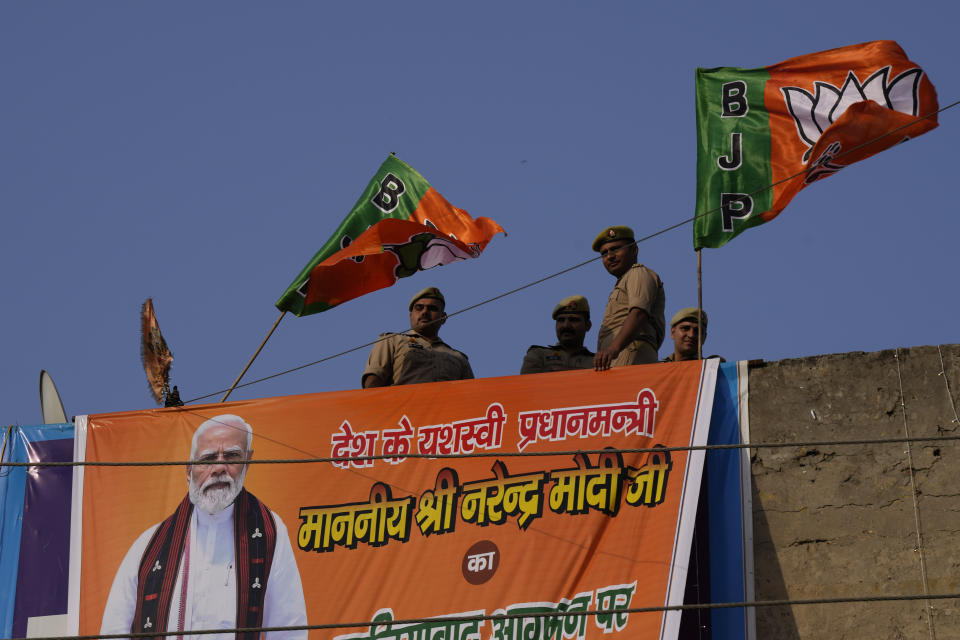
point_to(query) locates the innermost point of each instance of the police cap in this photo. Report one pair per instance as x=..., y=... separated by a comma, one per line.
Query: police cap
x=572, y=304
x=612, y=233
x=429, y=292
x=688, y=313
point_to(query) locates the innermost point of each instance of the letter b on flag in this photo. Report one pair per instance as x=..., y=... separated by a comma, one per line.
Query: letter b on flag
x=391, y=188
x=734, y=99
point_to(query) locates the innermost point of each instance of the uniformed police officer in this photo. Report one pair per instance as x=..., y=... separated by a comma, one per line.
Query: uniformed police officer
x=572, y=316
x=418, y=355
x=684, y=330
x=633, y=323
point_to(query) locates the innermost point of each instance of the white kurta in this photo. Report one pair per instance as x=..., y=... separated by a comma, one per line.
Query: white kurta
x=211, y=586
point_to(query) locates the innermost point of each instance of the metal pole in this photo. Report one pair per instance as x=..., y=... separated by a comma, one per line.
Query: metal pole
x=699, y=306
x=237, y=381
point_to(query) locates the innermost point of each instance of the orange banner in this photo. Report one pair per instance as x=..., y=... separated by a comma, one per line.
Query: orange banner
x=535, y=508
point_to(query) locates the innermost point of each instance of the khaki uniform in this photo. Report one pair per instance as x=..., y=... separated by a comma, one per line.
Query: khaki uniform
x=409, y=358
x=640, y=288
x=543, y=359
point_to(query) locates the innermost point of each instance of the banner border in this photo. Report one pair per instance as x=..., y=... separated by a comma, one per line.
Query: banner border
x=690, y=496
x=76, y=525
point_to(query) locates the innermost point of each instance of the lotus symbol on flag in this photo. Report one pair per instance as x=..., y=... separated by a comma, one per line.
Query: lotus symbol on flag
x=814, y=113
x=426, y=251
x=440, y=252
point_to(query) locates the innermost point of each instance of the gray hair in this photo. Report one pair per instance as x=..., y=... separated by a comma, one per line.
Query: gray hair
x=226, y=420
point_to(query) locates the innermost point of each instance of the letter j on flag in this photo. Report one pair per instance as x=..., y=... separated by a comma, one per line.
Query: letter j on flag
x=795, y=122
x=399, y=226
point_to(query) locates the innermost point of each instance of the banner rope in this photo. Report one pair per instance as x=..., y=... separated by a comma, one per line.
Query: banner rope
x=946, y=382
x=3, y=450
x=916, y=503
x=502, y=454
x=525, y=615
x=578, y=265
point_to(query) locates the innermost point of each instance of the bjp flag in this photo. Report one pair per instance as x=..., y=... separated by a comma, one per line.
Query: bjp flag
x=399, y=226
x=795, y=122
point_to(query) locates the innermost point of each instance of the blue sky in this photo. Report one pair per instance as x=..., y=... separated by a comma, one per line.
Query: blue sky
x=200, y=153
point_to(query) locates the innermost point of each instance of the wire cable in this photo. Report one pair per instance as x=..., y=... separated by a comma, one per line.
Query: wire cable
x=916, y=503
x=502, y=454
x=946, y=382
x=3, y=450
x=496, y=617
x=585, y=262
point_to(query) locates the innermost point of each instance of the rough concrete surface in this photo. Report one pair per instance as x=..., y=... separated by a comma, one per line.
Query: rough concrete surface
x=840, y=521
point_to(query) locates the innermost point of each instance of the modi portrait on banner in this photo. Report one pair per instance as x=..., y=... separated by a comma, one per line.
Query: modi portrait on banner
x=222, y=560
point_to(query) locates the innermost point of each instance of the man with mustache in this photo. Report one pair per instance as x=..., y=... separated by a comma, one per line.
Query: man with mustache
x=418, y=355
x=223, y=560
x=633, y=323
x=572, y=316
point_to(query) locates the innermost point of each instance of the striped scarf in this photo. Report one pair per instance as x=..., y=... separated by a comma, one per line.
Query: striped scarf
x=255, y=537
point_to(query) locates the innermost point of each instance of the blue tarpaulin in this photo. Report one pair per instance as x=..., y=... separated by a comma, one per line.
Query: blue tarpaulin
x=34, y=525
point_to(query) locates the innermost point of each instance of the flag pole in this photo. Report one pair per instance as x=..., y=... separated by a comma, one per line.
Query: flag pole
x=699, y=307
x=237, y=381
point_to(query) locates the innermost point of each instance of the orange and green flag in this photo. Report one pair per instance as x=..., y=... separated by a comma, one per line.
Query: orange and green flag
x=795, y=122
x=399, y=226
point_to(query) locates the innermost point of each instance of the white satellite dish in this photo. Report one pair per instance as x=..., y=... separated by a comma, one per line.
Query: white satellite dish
x=50, y=403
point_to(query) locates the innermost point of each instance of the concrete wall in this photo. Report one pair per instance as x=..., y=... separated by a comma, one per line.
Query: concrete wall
x=840, y=521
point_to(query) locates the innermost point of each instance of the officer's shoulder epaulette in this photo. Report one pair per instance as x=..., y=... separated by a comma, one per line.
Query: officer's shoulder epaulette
x=536, y=346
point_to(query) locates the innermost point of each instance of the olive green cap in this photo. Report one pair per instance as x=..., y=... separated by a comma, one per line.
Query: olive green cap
x=612, y=233
x=688, y=313
x=572, y=304
x=429, y=292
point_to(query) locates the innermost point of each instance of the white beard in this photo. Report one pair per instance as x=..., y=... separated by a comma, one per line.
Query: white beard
x=215, y=500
